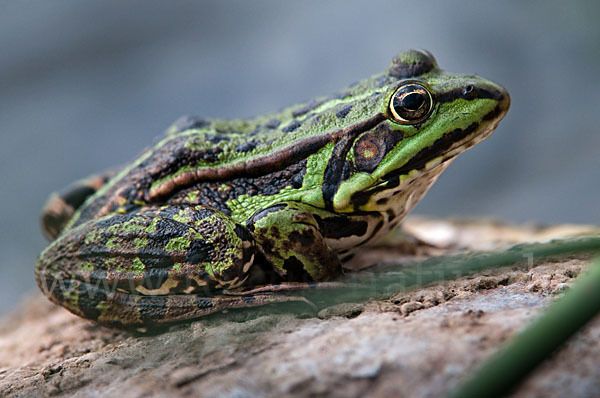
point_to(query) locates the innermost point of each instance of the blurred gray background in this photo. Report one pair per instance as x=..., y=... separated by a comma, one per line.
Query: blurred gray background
x=84, y=86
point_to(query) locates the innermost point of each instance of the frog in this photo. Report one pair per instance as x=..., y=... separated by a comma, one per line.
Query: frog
x=221, y=214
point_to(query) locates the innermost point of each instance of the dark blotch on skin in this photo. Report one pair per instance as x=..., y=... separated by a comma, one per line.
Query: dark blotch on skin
x=272, y=124
x=305, y=237
x=295, y=272
x=390, y=213
x=216, y=138
x=293, y=126
x=211, y=155
x=274, y=232
x=341, y=227
x=89, y=298
x=242, y=233
x=166, y=229
x=297, y=181
x=88, y=211
x=199, y=252
x=246, y=146
x=343, y=112
x=156, y=259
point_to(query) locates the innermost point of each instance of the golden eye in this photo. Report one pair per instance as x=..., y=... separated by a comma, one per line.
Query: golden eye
x=411, y=103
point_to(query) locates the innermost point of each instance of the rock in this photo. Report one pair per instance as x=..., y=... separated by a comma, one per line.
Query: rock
x=412, y=344
x=413, y=306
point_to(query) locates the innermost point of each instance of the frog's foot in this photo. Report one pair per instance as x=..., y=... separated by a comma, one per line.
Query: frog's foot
x=61, y=206
x=120, y=309
x=291, y=287
x=288, y=236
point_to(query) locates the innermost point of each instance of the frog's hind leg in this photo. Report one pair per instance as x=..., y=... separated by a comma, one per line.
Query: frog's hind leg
x=61, y=205
x=100, y=269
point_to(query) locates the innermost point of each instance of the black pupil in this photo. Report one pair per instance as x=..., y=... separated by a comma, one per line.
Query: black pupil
x=411, y=103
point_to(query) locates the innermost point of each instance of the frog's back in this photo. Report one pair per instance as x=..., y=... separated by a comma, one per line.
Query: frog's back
x=217, y=162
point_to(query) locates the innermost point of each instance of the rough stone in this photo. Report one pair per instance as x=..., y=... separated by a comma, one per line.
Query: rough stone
x=413, y=344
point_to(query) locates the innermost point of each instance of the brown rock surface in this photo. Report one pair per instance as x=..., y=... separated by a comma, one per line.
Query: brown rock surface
x=414, y=344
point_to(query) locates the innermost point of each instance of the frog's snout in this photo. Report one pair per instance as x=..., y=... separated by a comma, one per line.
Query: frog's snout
x=503, y=99
x=489, y=91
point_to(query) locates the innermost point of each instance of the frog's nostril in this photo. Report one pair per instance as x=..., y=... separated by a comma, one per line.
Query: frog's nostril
x=470, y=92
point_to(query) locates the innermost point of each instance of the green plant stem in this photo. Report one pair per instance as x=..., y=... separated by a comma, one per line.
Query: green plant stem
x=394, y=278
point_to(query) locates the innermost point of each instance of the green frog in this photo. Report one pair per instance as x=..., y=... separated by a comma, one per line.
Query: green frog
x=223, y=214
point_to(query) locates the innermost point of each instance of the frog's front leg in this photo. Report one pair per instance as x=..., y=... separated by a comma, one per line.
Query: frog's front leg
x=288, y=236
x=61, y=206
x=148, y=266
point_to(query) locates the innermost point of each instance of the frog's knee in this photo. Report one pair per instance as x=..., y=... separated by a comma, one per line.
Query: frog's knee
x=55, y=215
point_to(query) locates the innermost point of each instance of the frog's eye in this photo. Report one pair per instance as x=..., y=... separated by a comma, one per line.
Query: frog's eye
x=411, y=103
x=369, y=151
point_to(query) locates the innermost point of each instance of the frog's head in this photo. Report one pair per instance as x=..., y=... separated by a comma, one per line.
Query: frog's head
x=427, y=118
